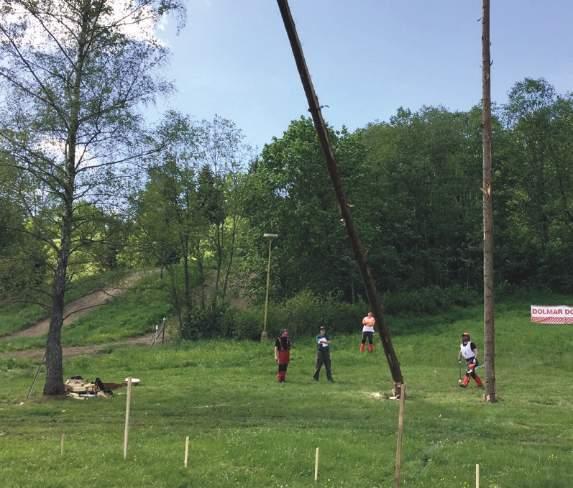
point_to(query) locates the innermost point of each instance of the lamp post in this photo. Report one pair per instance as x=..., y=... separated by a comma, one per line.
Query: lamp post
x=270, y=237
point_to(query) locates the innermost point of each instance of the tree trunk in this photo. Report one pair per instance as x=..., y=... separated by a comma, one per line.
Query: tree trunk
x=54, y=384
x=54, y=358
x=186, y=277
x=488, y=277
x=219, y=245
x=331, y=164
x=230, y=261
x=201, y=276
x=172, y=271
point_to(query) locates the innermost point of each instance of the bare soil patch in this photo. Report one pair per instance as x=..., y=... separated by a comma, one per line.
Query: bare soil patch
x=38, y=354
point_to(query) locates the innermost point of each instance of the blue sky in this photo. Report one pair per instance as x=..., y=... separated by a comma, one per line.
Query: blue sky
x=366, y=57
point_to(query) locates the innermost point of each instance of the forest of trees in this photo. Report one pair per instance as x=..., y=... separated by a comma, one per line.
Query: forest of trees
x=413, y=182
x=415, y=186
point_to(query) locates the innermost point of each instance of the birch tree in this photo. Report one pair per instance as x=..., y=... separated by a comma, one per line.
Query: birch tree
x=74, y=73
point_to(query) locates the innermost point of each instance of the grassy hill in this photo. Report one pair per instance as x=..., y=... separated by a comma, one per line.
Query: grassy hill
x=17, y=316
x=131, y=314
x=246, y=430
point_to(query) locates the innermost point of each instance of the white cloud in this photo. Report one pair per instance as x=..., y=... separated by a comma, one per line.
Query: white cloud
x=140, y=23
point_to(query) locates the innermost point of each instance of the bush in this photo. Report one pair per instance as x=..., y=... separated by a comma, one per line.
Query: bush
x=244, y=324
x=430, y=300
x=204, y=324
x=303, y=314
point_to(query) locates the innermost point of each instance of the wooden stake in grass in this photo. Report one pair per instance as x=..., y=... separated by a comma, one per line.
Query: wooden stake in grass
x=399, y=435
x=477, y=475
x=316, y=464
x=126, y=431
x=186, y=459
x=62, y=445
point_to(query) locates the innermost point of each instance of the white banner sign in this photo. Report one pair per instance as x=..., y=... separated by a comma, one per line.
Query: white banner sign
x=552, y=314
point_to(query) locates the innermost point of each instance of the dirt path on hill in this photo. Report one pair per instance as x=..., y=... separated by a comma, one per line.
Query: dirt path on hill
x=82, y=306
x=69, y=351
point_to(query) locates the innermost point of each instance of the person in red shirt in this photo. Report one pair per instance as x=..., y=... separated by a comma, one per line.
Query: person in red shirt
x=469, y=352
x=282, y=355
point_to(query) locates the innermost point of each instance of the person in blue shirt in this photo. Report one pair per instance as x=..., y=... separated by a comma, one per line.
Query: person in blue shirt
x=323, y=355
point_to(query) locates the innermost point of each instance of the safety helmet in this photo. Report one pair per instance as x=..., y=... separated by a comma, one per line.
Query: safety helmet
x=465, y=336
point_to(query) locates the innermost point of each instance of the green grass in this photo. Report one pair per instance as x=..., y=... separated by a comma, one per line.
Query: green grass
x=131, y=314
x=17, y=316
x=248, y=431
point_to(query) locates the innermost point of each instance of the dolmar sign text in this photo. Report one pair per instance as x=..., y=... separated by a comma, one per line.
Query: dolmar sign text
x=552, y=314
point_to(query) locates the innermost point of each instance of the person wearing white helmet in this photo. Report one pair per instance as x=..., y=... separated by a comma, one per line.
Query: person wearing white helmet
x=469, y=352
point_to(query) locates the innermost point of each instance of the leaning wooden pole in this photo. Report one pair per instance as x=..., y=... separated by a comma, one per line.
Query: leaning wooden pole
x=359, y=254
x=488, y=279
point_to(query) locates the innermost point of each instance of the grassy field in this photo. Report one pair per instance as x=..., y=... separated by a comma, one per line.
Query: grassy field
x=246, y=430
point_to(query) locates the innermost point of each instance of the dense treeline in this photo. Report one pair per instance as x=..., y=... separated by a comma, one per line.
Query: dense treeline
x=198, y=204
x=414, y=183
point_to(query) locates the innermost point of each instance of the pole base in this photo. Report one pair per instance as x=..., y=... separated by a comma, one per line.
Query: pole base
x=397, y=392
x=264, y=336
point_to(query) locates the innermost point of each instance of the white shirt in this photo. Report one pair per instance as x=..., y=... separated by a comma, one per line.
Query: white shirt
x=368, y=324
x=466, y=350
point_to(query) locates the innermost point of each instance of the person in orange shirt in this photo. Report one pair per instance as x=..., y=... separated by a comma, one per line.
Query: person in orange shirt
x=368, y=324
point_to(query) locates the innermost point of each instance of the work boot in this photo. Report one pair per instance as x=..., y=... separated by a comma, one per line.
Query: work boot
x=362, y=347
x=466, y=381
x=370, y=347
x=478, y=381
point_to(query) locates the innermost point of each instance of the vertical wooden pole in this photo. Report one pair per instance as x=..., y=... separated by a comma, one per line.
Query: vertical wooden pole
x=487, y=203
x=126, y=430
x=316, y=456
x=399, y=435
x=186, y=459
x=62, y=445
x=477, y=475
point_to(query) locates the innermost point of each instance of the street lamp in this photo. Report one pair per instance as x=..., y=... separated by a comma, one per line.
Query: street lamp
x=270, y=237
